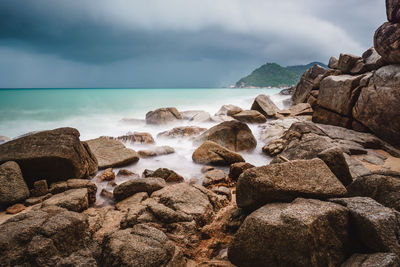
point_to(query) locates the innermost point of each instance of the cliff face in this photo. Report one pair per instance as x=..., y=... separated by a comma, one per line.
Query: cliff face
x=360, y=93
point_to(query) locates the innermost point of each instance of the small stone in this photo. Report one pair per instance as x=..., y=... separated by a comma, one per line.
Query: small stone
x=215, y=177
x=40, y=188
x=16, y=208
x=125, y=172
x=107, y=194
x=147, y=173
x=106, y=175
x=168, y=175
x=207, y=168
x=236, y=169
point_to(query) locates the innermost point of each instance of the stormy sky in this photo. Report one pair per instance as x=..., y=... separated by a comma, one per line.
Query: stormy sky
x=172, y=43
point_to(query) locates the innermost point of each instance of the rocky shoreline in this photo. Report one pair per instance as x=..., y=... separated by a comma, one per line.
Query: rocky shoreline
x=329, y=197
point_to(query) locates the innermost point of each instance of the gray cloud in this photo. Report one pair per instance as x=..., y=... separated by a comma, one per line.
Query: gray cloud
x=156, y=43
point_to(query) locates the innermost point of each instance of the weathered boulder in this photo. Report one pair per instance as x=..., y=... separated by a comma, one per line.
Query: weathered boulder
x=137, y=185
x=376, y=226
x=228, y=110
x=301, y=109
x=335, y=160
x=236, y=169
x=137, y=138
x=306, y=84
x=212, y=153
x=215, y=177
x=233, y=135
x=163, y=116
x=112, y=153
x=265, y=106
x=393, y=10
x=305, y=232
x=156, y=151
x=13, y=188
x=384, y=187
x=377, y=105
x=372, y=59
x=168, y=175
x=250, y=116
x=386, y=42
x=42, y=237
x=333, y=63
x=196, y=116
x=52, y=155
x=141, y=245
x=63, y=186
x=73, y=200
x=372, y=260
x=285, y=182
x=180, y=132
x=350, y=64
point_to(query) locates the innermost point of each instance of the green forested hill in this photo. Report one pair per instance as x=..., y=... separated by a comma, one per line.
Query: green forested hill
x=274, y=75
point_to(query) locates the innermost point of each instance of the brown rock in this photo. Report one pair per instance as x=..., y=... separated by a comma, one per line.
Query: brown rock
x=347, y=62
x=333, y=63
x=196, y=116
x=181, y=132
x=386, y=42
x=372, y=59
x=250, y=116
x=40, y=188
x=163, y=116
x=54, y=155
x=156, y=151
x=285, y=182
x=16, y=208
x=106, y=175
x=13, y=188
x=301, y=109
x=131, y=187
x=112, y=153
x=236, y=169
x=306, y=84
x=228, y=110
x=212, y=153
x=36, y=200
x=393, y=10
x=265, y=106
x=335, y=160
x=372, y=260
x=215, y=177
x=233, y=135
x=168, y=175
x=306, y=232
x=73, y=200
x=125, y=172
x=137, y=138
x=325, y=116
x=107, y=194
x=205, y=169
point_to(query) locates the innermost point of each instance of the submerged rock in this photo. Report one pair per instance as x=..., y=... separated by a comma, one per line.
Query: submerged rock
x=233, y=135
x=163, y=116
x=197, y=116
x=112, y=153
x=305, y=232
x=52, y=155
x=137, y=138
x=212, y=153
x=285, y=182
x=180, y=132
x=13, y=188
x=156, y=151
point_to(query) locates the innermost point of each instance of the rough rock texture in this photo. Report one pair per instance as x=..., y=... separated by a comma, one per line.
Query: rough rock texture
x=156, y=151
x=42, y=237
x=233, y=135
x=184, y=131
x=106, y=175
x=350, y=64
x=301, y=109
x=236, y=169
x=372, y=260
x=305, y=232
x=285, y=182
x=376, y=226
x=63, y=186
x=372, y=59
x=137, y=138
x=13, y=188
x=215, y=177
x=250, y=116
x=377, y=106
x=163, y=116
x=384, y=187
x=168, y=175
x=196, y=116
x=212, y=153
x=333, y=63
x=137, y=185
x=52, y=155
x=393, y=10
x=40, y=188
x=386, y=42
x=335, y=160
x=16, y=208
x=325, y=116
x=73, y=199
x=265, y=106
x=306, y=84
x=228, y=110
x=142, y=245
x=112, y=153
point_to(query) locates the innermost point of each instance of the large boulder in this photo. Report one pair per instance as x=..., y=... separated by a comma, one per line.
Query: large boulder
x=285, y=182
x=377, y=105
x=181, y=132
x=13, y=188
x=250, y=116
x=141, y=245
x=393, y=10
x=376, y=226
x=265, y=106
x=372, y=260
x=306, y=84
x=137, y=185
x=42, y=237
x=52, y=155
x=233, y=135
x=305, y=232
x=112, y=153
x=212, y=153
x=386, y=42
x=163, y=116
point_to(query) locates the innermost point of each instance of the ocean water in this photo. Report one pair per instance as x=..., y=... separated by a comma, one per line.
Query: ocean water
x=100, y=112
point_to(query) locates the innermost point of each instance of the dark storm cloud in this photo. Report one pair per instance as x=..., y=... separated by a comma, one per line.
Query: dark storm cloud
x=54, y=43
